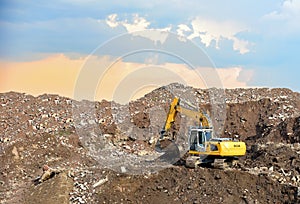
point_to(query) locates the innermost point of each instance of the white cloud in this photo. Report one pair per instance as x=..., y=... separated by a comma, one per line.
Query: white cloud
x=112, y=21
x=182, y=31
x=139, y=26
x=290, y=9
x=207, y=30
x=286, y=18
x=235, y=77
x=240, y=45
x=210, y=30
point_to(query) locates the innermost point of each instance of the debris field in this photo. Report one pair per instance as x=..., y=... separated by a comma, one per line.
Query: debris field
x=103, y=152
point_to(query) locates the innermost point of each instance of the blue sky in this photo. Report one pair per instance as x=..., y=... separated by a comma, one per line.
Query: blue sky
x=260, y=37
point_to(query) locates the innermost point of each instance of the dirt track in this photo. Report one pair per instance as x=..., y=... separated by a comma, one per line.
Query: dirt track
x=43, y=130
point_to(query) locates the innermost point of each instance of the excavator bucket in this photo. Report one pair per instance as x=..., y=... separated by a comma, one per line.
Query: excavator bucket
x=166, y=145
x=162, y=144
x=170, y=150
x=158, y=147
x=164, y=140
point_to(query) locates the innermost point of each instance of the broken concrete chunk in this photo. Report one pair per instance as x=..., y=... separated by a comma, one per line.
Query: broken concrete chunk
x=123, y=169
x=100, y=182
x=15, y=153
x=48, y=173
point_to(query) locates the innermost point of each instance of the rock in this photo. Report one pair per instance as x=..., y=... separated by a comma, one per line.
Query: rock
x=133, y=137
x=271, y=169
x=281, y=180
x=217, y=177
x=91, y=122
x=264, y=169
x=143, y=152
x=123, y=169
x=80, y=200
x=127, y=147
x=151, y=140
x=83, y=123
x=4, y=140
x=48, y=173
x=296, y=146
x=255, y=148
x=15, y=153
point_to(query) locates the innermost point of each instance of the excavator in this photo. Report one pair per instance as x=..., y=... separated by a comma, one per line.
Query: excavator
x=204, y=147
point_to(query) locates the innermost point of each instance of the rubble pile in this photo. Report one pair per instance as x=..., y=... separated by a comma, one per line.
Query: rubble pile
x=273, y=117
x=281, y=162
x=88, y=143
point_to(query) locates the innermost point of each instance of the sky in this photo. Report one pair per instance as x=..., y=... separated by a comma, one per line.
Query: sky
x=50, y=46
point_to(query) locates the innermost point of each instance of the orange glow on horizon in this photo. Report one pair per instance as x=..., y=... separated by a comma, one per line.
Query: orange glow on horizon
x=58, y=74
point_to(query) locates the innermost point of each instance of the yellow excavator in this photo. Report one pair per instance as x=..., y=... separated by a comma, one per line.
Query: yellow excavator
x=204, y=148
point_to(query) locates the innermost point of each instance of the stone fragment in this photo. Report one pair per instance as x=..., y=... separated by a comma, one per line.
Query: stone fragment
x=100, y=182
x=15, y=153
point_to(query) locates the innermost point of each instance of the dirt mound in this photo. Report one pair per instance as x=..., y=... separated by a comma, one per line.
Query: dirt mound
x=179, y=185
x=70, y=135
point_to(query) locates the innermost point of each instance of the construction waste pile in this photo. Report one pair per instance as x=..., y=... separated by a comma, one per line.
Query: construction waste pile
x=55, y=149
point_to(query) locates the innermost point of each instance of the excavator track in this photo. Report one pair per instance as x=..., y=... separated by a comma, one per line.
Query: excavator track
x=220, y=164
x=225, y=164
x=192, y=162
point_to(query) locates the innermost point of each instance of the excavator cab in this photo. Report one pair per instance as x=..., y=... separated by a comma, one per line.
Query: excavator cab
x=198, y=137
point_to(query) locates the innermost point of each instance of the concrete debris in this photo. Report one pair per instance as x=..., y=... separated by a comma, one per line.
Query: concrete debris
x=100, y=182
x=48, y=173
x=15, y=153
x=123, y=169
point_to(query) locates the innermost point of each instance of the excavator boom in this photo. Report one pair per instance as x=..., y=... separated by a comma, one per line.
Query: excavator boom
x=176, y=108
x=197, y=116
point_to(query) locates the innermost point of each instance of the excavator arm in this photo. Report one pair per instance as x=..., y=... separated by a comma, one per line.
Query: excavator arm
x=176, y=108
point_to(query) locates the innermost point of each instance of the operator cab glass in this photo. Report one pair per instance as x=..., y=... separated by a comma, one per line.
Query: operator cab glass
x=208, y=134
x=198, y=137
x=201, y=138
x=193, y=140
